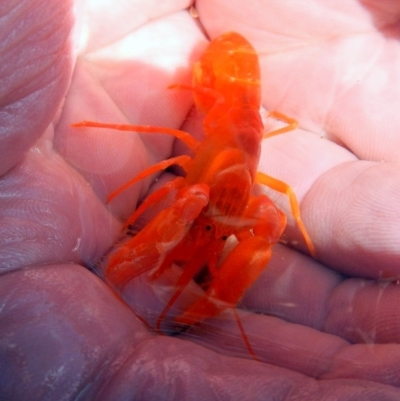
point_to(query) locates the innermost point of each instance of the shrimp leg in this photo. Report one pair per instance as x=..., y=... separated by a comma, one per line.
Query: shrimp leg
x=284, y=188
x=187, y=139
x=292, y=124
x=182, y=161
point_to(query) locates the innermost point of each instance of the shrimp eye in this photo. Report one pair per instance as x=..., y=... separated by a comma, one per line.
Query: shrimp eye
x=224, y=237
x=208, y=228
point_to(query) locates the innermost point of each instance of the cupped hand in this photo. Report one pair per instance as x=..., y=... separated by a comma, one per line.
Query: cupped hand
x=323, y=329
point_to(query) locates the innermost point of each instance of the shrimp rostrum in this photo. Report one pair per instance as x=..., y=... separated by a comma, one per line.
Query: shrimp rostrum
x=219, y=180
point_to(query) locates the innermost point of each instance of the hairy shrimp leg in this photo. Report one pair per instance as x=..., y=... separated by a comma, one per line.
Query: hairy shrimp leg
x=284, y=188
x=146, y=250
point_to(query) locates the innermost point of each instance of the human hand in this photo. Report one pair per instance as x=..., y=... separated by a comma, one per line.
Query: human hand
x=64, y=333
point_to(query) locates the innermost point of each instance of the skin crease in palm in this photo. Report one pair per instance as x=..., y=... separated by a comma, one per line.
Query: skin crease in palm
x=324, y=329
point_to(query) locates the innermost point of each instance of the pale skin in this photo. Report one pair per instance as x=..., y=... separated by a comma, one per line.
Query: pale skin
x=64, y=333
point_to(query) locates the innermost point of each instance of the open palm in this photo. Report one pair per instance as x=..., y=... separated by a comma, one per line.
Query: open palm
x=63, y=333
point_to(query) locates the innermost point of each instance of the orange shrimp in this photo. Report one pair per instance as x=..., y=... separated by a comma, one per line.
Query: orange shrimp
x=226, y=88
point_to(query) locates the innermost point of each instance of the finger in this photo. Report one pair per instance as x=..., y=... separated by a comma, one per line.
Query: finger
x=62, y=323
x=326, y=313
x=49, y=214
x=193, y=371
x=293, y=287
x=33, y=81
x=110, y=21
x=60, y=327
x=300, y=290
x=348, y=81
x=358, y=223
x=364, y=311
x=299, y=348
